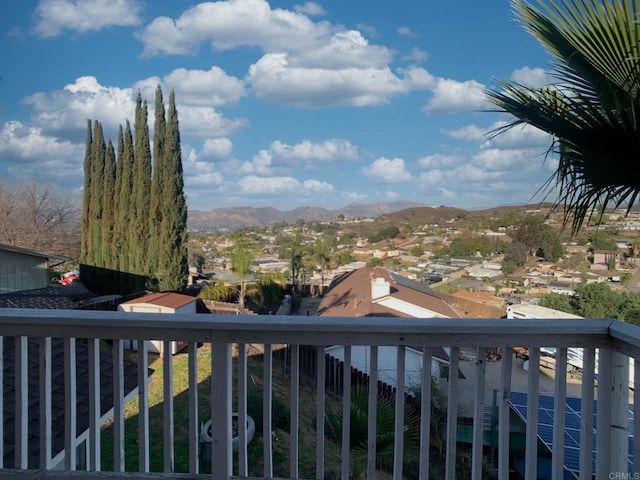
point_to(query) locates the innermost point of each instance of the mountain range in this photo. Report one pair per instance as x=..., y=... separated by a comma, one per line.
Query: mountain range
x=233, y=218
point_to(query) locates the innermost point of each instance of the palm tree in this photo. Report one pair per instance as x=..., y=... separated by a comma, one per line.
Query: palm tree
x=591, y=108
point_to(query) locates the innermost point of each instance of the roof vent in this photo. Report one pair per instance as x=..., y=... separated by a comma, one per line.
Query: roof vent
x=380, y=288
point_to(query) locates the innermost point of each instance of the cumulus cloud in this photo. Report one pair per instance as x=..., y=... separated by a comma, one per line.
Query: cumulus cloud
x=53, y=16
x=211, y=87
x=206, y=122
x=385, y=170
x=531, y=77
x=232, y=23
x=274, y=80
x=68, y=109
x=353, y=196
x=469, y=133
x=494, y=159
x=327, y=151
x=217, y=147
x=310, y=9
x=439, y=160
x=34, y=155
x=416, y=55
x=253, y=185
x=260, y=164
x=450, y=96
x=405, y=32
x=522, y=136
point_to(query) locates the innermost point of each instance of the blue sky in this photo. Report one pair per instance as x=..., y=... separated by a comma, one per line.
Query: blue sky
x=280, y=103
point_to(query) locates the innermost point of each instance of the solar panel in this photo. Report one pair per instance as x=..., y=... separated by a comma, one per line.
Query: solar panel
x=573, y=408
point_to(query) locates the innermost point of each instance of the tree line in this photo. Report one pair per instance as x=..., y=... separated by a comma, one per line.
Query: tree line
x=134, y=212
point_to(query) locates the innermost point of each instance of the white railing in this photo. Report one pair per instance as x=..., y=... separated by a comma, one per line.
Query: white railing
x=229, y=337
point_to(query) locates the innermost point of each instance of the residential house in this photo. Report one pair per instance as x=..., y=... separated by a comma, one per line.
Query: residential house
x=23, y=269
x=166, y=302
x=377, y=292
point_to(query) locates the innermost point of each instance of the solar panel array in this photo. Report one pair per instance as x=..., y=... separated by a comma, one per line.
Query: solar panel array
x=573, y=409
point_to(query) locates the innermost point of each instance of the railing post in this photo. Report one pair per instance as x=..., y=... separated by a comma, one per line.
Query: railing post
x=619, y=413
x=221, y=460
x=613, y=392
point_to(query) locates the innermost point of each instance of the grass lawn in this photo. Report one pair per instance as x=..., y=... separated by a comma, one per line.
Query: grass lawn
x=281, y=393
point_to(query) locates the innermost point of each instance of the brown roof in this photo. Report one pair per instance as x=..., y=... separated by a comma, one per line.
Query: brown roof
x=167, y=299
x=349, y=295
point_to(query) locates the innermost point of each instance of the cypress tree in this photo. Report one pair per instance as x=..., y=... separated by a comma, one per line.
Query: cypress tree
x=98, y=254
x=118, y=223
x=141, y=189
x=173, y=266
x=125, y=210
x=86, y=199
x=155, y=210
x=108, y=208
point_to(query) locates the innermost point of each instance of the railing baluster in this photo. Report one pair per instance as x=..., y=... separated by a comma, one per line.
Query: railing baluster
x=243, y=461
x=603, y=420
x=221, y=378
x=192, y=371
x=118, y=406
x=504, y=413
x=373, y=412
x=2, y=401
x=425, y=412
x=167, y=406
x=478, y=414
x=45, y=402
x=559, y=413
x=70, y=403
x=398, y=448
x=636, y=416
x=267, y=414
x=619, y=452
x=533, y=391
x=346, y=413
x=143, y=407
x=586, y=414
x=452, y=414
x=22, y=402
x=320, y=381
x=93, y=350
x=295, y=413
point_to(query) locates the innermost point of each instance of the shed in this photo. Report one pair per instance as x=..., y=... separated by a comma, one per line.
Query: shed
x=167, y=302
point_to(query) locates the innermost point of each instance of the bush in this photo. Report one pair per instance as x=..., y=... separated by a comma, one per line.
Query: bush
x=280, y=412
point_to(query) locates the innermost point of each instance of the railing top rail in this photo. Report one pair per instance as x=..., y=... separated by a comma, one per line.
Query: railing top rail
x=315, y=330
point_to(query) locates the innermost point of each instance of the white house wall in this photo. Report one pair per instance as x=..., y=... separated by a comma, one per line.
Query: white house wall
x=387, y=362
x=19, y=271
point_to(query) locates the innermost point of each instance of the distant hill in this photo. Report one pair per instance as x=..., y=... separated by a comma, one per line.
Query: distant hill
x=233, y=218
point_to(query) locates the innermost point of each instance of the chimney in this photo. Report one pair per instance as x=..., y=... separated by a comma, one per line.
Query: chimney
x=380, y=288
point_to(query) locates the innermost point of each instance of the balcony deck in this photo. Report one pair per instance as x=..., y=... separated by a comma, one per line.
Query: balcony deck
x=228, y=338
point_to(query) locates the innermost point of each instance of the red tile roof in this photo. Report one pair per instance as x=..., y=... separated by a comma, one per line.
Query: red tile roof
x=349, y=295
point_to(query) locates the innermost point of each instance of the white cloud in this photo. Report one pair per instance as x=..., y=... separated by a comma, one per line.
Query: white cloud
x=391, y=195
x=232, y=23
x=353, y=196
x=531, y=77
x=451, y=96
x=439, y=160
x=310, y=9
x=69, y=108
x=217, y=147
x=387, y=170
x=474, y=174
x=53, y=16
x=211, y=87
x=274, y=80
x=327, y=151
x=206, y=122
x=198, y=172
x=470, y=133
x=522, y=136
x=255, y=185
x=36, y=156
x=260, y=164
x=432, y=177
x=500, y=160
x=416, y=55
x=405, y=32
x=448, y=194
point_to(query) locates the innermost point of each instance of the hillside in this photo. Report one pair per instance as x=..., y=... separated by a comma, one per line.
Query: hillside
x=233, y=218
